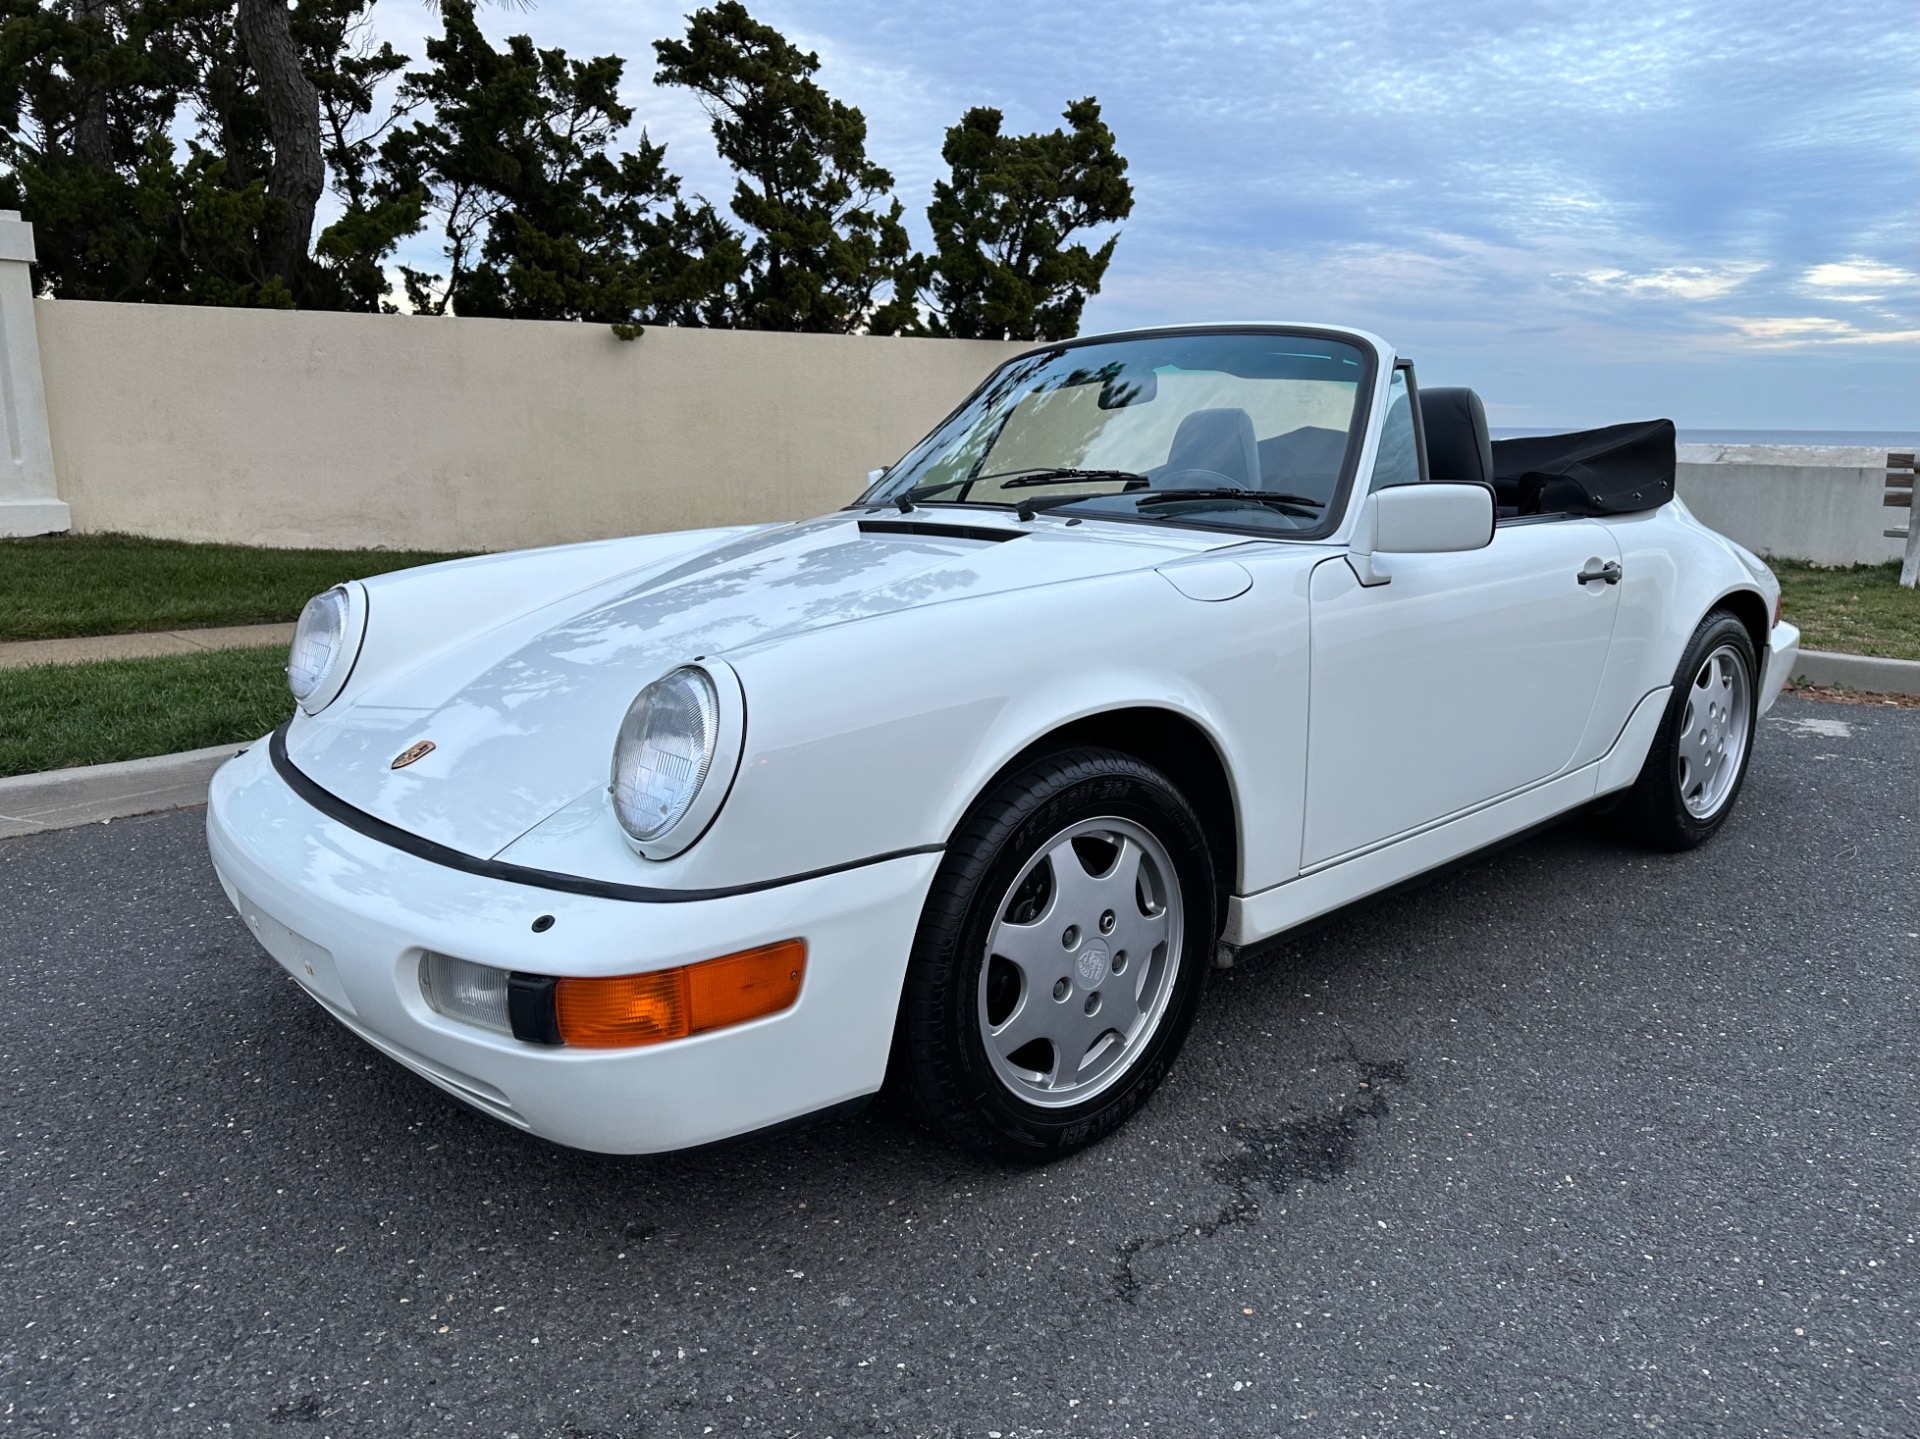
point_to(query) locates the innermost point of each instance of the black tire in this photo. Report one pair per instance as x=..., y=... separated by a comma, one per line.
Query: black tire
x=941, y=1061
x=1654, y=811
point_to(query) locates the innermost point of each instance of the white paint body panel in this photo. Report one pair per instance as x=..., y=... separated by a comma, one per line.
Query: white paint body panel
x=1468, y=676
x=370, y=910
x=1365, y=734
x=1783, y=649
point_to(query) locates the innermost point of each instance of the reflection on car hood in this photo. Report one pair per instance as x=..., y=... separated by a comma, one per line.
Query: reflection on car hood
x=521, y=724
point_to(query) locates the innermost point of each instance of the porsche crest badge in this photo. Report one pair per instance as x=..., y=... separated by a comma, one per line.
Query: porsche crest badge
x=411, y=753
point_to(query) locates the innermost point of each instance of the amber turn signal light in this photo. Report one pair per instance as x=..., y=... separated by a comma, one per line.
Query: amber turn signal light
x=633, y=1009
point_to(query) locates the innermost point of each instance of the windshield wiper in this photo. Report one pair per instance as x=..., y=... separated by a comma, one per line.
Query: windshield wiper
x=1301, y=507
x=1134, y=486
x=1062, y=475
x=1027, y=478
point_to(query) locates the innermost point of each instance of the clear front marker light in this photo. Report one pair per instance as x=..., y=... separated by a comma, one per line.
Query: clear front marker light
x=664, y=752
x=318, y=641
x=460, y=989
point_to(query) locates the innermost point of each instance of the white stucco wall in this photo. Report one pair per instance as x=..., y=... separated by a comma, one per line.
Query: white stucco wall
x=265, y=427
x=276, y=428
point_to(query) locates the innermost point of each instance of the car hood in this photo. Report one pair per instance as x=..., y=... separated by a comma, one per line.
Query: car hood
x=522, y=715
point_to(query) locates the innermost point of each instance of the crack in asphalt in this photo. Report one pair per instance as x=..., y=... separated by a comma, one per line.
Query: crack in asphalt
x=1278, y=1157
x=307, y=1409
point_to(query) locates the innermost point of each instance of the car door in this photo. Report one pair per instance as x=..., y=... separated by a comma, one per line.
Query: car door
x=1464, y=678
x=1467, y=677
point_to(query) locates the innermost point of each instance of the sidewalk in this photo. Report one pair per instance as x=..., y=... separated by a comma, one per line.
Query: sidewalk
x=62, y=798
x=16, y=653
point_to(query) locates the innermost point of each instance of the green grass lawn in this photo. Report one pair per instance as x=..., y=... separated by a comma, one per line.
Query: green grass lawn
x=1860, y=610
x=53, y=716
x=57, y=586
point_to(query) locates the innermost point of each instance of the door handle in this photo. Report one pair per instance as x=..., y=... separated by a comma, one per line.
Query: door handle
x=1595, y=570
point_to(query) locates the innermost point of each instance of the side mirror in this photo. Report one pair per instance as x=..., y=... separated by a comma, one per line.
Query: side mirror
x=874, y=477
x=1430, y=519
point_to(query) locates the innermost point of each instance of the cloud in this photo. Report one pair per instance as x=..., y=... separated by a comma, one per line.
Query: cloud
x=1816, y=330
x=1858, y=280
x=1676, y=282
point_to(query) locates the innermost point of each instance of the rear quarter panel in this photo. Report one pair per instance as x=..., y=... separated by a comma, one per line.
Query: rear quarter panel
x=1674, y=570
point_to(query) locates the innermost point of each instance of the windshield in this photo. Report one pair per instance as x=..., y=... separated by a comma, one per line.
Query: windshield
x=1246, y=430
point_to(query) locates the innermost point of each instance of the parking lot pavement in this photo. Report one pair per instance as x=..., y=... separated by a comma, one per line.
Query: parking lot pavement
x=1577, y=1140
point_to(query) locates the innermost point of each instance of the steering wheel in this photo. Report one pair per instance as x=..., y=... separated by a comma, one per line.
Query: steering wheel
x=1195, y=478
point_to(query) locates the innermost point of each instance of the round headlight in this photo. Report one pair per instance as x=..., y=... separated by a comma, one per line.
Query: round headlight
x=665, y=752
x=318, y=642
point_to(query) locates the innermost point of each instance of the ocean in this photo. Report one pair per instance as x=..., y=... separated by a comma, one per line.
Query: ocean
x=1875, y=439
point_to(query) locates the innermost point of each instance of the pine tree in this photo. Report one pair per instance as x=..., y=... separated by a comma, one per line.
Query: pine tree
x=827, y=245
x=542, y=220
x=91, y=93
x=1002, y=266
x=177, y=150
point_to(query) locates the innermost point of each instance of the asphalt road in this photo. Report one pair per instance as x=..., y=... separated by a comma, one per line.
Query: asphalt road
x=1575, y=1141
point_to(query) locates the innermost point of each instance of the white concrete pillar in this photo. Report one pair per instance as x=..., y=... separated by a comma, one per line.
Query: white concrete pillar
x=29, y=504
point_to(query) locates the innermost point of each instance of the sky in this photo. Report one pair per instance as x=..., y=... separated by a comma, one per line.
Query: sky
x=1590, y=212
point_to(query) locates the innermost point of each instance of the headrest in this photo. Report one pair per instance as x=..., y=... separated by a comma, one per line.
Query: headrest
x=1458, y=446
x=1217, y=440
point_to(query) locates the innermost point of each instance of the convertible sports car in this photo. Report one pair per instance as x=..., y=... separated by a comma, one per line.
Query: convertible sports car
x=1161, y=644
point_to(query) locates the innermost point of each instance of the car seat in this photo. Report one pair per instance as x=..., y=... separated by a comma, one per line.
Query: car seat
x=1217, y=440
x=1458, y=445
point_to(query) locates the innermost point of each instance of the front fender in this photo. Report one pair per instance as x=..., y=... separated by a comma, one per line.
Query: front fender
x=875, y=737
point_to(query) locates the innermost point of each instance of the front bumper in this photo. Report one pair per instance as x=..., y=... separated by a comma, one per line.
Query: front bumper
x=1783, y=654
x=349, y=917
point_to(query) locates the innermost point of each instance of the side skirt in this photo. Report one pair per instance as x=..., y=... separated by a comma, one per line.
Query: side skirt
x=1333, y=917
x=1256, y=917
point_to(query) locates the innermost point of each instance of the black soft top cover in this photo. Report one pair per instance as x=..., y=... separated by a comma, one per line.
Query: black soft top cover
x=1611, y=471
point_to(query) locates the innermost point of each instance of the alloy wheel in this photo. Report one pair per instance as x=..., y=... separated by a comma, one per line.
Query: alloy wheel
x=1713, y=732
x=1081, y=961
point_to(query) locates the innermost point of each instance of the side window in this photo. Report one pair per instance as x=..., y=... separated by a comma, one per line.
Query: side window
x=1398, y=462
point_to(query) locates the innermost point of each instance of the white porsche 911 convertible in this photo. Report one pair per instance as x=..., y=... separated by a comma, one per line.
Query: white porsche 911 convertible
x=1161, y=644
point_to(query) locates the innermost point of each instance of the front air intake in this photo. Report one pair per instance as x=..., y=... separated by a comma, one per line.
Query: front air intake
x=932, y=529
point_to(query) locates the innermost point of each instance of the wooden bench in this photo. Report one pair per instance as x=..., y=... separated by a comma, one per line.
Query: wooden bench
x=1899, y=496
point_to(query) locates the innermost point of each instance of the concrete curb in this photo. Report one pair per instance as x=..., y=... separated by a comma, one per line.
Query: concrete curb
x=1859, y=672
x=63, y=798
x=15, y=654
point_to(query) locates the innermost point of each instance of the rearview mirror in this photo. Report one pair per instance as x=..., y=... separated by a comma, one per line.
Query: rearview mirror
x=1131, y=387
x=1430, y=519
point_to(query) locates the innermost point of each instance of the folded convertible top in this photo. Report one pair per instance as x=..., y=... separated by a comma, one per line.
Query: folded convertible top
x=1611, y=471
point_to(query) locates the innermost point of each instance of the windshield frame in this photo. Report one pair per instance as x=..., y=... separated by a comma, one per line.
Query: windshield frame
x=1337, y=502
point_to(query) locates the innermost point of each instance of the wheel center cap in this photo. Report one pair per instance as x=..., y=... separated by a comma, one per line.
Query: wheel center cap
x=1092, y=963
